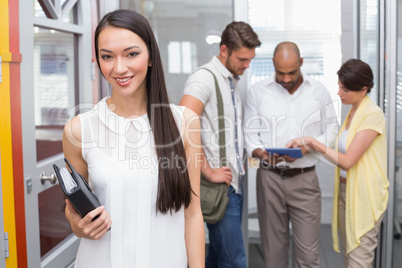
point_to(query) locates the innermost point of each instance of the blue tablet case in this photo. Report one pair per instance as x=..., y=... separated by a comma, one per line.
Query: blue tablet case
x=292, y=152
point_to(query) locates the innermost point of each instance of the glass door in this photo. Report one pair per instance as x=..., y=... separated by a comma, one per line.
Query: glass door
x=369, y=44
x=397, y=198
x=56, y=48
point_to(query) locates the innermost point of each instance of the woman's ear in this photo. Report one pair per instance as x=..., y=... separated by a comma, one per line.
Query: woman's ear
x=364, y=90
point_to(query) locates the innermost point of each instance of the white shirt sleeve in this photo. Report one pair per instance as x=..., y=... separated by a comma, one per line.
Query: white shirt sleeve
x=200, y=85
x=329, y=122
x=252, y=123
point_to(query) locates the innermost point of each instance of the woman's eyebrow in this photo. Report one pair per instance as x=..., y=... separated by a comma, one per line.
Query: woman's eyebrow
x=108, y=51
x=105, y=50
x=131, y=48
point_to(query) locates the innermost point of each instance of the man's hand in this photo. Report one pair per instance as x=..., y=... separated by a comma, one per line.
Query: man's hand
x=270, y=159
x=219, y=175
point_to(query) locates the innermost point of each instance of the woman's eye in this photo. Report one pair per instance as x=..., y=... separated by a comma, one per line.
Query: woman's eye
x=133, y=54
x=105, y=57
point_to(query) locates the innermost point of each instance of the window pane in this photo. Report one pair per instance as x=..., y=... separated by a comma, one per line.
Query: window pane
x=174, y=57
x=187, y=58
x=267, y=15
x=54, y=227
x=54, y=9
x=397, y=242
x=317, y=35
x=38, y=10
x=369, y=25
x=54, y=87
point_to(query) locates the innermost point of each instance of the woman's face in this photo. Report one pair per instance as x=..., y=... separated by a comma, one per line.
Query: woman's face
x=123, y=60
x=348, y=96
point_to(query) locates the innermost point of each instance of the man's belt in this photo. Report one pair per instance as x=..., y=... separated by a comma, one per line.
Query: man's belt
x=286, y=172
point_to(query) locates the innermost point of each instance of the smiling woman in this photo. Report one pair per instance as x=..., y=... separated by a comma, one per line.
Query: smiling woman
x=136, y=122
x=124, y=61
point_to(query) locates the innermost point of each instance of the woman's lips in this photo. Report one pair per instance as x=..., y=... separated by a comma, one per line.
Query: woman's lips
x=123, y=81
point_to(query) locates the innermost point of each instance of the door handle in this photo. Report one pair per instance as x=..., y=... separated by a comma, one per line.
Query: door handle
x=52, y=178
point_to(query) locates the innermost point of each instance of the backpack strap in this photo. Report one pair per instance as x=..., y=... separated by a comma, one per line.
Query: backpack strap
x=221, y=122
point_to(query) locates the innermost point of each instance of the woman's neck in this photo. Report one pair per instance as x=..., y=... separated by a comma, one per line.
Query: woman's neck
x=357, y=103
x=127, y=107
x=353, y=111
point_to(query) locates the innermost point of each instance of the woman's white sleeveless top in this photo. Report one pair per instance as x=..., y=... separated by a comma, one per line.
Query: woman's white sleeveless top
x=123, y=172
x=342, y=148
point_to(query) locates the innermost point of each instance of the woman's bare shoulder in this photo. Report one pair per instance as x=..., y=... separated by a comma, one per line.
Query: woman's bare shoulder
x=72, y=130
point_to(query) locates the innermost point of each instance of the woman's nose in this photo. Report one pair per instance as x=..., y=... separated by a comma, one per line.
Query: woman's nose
x=120, y=66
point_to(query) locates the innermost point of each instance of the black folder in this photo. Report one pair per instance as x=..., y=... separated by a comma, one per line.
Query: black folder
x=76, y=189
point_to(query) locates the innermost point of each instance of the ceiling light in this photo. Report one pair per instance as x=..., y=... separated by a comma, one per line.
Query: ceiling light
x=212, y=39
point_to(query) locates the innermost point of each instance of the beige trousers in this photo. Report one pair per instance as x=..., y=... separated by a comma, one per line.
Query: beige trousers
x=280, y=201
x=363, y=255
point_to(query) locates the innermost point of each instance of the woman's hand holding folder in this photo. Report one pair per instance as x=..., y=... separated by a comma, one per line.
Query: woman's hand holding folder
x=93, y=226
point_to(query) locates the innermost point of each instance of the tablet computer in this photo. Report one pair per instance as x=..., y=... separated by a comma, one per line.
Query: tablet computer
x=292, y=152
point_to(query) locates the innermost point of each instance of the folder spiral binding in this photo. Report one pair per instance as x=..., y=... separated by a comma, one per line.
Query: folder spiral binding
x=76, y=189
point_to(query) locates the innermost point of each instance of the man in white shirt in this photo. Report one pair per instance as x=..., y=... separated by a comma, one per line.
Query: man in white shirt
x=278, y=109
x=237, y=49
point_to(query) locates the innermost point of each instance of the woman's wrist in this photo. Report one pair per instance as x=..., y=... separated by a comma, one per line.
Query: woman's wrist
x=316, y=145
x=310, y=142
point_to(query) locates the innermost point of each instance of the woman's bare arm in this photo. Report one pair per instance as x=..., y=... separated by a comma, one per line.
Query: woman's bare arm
x=360, y=143
x=82, y=227
x=194, y=223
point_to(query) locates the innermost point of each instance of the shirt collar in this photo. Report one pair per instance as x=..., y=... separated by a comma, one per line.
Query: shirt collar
x=119, y=124
x=222, y=69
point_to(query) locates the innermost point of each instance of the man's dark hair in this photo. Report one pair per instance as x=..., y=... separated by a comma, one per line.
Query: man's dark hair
x=239, y=34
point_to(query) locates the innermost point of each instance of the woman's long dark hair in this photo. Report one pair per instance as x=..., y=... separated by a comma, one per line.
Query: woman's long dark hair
x=174, y=188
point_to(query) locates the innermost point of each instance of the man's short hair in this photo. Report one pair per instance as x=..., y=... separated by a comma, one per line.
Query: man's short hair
x=238, y=34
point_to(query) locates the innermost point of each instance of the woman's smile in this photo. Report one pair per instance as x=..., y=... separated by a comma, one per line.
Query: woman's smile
x=123, y=81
